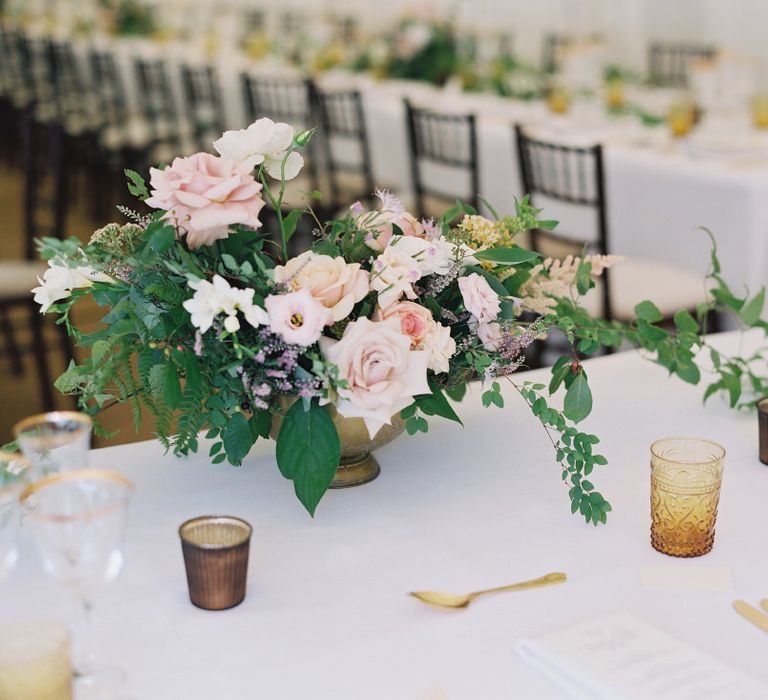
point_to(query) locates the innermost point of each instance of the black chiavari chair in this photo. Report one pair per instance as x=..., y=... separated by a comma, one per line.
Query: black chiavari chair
x=345, y=139
x=204, y=106
x=448, y=141
x=45, y=208
x=158, y=108
x=669, y=62
x=575, y=176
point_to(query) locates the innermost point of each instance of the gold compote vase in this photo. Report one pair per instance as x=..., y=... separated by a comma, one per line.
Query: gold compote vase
x=357, y=464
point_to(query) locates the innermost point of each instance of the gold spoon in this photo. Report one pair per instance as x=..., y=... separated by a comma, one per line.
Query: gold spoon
x=455, y=600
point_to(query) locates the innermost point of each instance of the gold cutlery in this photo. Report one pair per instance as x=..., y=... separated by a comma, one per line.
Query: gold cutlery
x=764, y=604
x=439, y=599
x=751, y=614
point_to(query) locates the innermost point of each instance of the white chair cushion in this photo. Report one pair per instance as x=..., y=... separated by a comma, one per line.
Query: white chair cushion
x=18, y=277
x=635, y=279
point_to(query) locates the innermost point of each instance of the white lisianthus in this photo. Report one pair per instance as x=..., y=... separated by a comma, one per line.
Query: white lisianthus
x=433, y=257
x=58, y=281
x=218, y=297
x=265, y=142
x=393, y=275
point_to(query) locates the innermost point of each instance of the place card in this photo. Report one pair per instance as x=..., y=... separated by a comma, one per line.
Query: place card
x=681, y=577
x=620, y=657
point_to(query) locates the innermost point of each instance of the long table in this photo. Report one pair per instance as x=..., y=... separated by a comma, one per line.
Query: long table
x=326, y=615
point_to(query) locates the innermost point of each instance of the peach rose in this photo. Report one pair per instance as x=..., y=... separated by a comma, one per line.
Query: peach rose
x=382, y=231
x=297, y=317
x=415, y=319
x=204, y=195
x=479, y=299
x=383, y=373
x=336, y=284
x=425, y=333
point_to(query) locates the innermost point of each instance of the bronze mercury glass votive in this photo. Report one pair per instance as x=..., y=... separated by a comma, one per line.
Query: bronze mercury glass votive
x=686, y=474
x=762, y=429
x=216, y=551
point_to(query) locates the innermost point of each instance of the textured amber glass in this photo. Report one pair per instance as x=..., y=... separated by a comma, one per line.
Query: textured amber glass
x=762, y=428
x=681, y=118
x=760, y=111
x=686, y=474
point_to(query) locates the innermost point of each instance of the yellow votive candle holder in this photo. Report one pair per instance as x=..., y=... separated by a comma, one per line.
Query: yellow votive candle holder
x=760, y=111
x=35, y=661
x=686, y=474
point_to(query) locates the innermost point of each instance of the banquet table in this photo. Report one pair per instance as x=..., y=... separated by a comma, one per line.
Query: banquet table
x=326, y=614
x=659, y=191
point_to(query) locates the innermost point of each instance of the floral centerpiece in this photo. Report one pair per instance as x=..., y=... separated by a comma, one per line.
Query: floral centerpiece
x=212, y=326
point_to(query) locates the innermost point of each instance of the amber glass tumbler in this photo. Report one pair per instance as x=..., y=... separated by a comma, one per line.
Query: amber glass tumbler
x=686, y=474
x=216, y=551
x=762, y=429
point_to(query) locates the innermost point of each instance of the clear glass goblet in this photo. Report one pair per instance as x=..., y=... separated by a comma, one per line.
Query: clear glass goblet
x=54, y=442
x=79, y=519
x=13, y=471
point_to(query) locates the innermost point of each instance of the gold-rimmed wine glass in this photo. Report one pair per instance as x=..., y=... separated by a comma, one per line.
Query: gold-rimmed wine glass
x=13, y=471
x=79, y=519
x=54, y=442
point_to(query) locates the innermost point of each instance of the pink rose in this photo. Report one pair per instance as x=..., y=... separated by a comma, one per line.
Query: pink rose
x=204, y=195
x=383, y=373
x=297, y=317
x=490, y=334
x=336, y=284
x=479, y=299
x=415, y=320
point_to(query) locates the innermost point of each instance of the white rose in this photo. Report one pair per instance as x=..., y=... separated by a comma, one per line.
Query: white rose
x=265, y=142
x=336, y=284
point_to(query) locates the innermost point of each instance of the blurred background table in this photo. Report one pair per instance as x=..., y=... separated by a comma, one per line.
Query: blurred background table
x=326, y=615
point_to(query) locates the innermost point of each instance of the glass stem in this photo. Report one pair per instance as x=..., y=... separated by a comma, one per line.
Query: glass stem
x=84, y=637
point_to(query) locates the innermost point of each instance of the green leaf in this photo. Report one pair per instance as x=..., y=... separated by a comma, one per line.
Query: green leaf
x=171, y=386
x=136, y=185
x=560, y=370
x=733, y=385
x=506, y=256
x=162, y=239
x=238, y=438
x=435, y=404
x=229, y=261
x=290, y=222
x=456, y=393
x=648, y=311
x=578, y=399
x=308, y=452
x=261, y=423
x=752, y=311
x=685, y=323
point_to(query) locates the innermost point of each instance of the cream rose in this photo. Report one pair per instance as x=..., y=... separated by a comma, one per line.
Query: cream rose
x=383, y=373
x=441, y=347
x=336, y=284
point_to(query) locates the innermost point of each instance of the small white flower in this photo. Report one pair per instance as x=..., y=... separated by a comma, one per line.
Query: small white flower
x=393, y=275
x=58, y=281
x=265, y=142
x=432, y=257
x=218, y=297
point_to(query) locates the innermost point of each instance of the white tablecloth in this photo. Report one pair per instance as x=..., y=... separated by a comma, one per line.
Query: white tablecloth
x=327, y=617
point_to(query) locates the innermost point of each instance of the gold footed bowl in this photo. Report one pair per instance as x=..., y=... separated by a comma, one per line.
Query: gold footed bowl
x=357, y=465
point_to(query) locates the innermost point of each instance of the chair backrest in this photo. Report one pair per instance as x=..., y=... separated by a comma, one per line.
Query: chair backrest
x=669, y=62
x=45, y=192
x=37, y=70
x=554, y=45
x=344, y=28
x=156, y=100
x=287, y=100
x=108, y=87
x=204, y=106
x=447, y=142
x=345, y=139
x=72, y=96
x=573, y=175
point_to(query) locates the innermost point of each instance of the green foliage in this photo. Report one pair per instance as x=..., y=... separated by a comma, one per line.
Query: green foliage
x=308, y=451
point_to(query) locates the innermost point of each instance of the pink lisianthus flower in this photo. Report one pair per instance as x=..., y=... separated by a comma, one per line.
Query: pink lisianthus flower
x=297, y=317
x=204, y=195
x=479, y=299
x=383, y=373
